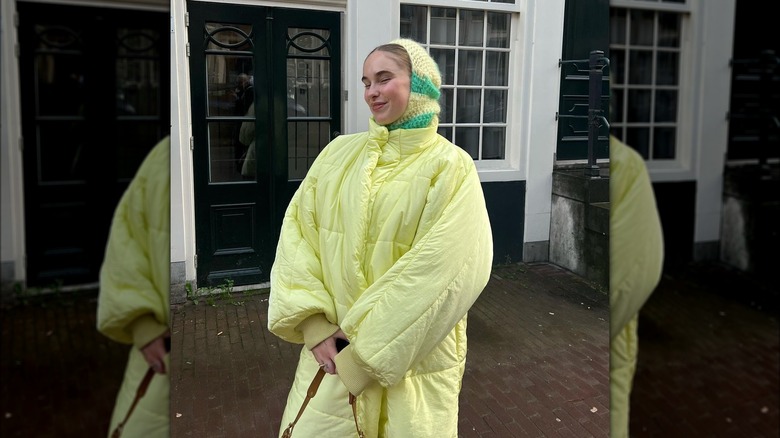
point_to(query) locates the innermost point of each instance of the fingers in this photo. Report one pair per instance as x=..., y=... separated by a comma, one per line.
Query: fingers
x=329, y=367
x=153, y=353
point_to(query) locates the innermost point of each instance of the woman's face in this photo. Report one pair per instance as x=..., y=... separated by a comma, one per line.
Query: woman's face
x=387, y=87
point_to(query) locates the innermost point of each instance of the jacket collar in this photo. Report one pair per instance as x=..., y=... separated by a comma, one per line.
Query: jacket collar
x=400, y=143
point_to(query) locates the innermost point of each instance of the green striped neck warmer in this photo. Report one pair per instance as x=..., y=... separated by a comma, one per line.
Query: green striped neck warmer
x=423, y=108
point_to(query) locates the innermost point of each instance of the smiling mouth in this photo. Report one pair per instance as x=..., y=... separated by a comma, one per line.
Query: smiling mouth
x=377, y=106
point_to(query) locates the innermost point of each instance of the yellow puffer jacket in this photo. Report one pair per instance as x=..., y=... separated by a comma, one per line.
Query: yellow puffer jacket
x=387, y=238
x=636, y=259
x=134, y=284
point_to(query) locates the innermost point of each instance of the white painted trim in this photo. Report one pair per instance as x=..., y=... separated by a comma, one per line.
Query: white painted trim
x=147, y=5
x=320, y=5
x=542, y=47
x=183, y=234
x=182, y=183
x=12, y=231
x=716, y=36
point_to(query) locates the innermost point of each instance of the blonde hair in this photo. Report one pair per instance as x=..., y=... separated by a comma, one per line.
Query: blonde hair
x=399, y=52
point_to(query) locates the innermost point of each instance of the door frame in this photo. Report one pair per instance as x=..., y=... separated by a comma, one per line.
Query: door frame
x=270, y=86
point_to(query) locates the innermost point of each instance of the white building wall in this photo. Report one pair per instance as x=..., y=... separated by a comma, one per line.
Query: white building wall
x=715, y=46
x=538, y=38
x=12, y=231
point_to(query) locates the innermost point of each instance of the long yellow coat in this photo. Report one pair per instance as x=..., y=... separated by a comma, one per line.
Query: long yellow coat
x=636, y=260
x=134, y=287
x=387, y=238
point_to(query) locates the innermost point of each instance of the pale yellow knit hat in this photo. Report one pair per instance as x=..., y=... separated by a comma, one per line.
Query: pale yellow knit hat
x=423, y=108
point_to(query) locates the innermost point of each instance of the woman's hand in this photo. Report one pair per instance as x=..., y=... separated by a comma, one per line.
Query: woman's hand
x=154, y=352
x=325, y=351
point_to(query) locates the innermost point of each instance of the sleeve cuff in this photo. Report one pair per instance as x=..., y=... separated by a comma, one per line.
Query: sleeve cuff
x=316, y=329
x=145, y=329
x=355, y=378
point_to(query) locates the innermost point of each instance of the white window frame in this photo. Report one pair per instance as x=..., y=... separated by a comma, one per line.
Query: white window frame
x=508, y=168
x=682, y=167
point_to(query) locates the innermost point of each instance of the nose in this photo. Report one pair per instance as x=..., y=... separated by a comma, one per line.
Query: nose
x=372, y=91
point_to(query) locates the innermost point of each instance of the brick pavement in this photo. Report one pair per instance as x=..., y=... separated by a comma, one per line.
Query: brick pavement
x=60, y=376
x=708, y=362
x=709, y=357
x=537, y=364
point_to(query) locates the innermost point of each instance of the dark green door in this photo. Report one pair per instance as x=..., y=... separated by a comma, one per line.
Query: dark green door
x=94, y=88
x=265, y=100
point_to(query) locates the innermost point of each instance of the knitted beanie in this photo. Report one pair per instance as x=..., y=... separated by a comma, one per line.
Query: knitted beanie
x=423, y=108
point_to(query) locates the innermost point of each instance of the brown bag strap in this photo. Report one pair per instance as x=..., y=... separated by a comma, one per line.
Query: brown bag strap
x=353, y=402
x=313, y=387
x=138, y=394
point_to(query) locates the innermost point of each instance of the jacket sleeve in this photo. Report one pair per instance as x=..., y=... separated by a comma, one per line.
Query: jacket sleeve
x=636, y=238
x=408, y=311
x=132, y=303
x=298, y=301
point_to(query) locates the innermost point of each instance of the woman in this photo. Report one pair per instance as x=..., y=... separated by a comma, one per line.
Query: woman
x=636, y=253
x=133, y=298
x=386, y=244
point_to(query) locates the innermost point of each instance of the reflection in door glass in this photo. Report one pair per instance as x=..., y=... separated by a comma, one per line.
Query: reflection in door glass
x=308, y=97
x=230, y=93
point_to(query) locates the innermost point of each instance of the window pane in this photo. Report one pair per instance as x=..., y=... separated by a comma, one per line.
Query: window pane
x=497, y=68
x=616, y=107
x=228, y=36
x=470, y=67
x=664, y=143
x=413, y=22
x=131, y=133
x=666, y=106
x=445, y=132
x=303, y=41
x=498, y=29
x=642, y=27
x=445, y=101
x=468, y=139
x=471, y=27
x=639, y=139
x=617, y=26
x=443, y=26
x=640, y=67
x=617, y=66
x=60, y=84
x=229, y=84
x=668, y=29
x=469, y=103
x=61, y=151
x=308, y=82
x=638, y=106
x=495, y=106
x=668, y=68
x=493, y=143
x=305, y=140
x=225, y=151
x=445, y=58
x=138, y=88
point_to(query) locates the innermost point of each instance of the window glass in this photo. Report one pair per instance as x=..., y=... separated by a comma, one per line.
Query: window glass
x=470, y=67
x=645, y=53
x=497, y=68
x=472, y=28
x=472, y=50
x=664, y=143
x=442, y=26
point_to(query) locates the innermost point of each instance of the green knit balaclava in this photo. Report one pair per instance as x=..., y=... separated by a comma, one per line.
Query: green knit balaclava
x=423, y=108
